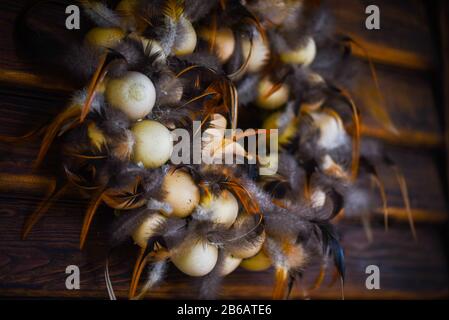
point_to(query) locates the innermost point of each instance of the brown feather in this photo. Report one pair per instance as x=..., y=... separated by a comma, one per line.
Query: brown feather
x=127, y=198
x=319, y=279
x=97, y=79
x=53, y=130
x=136, y=272
x=91, y=210
x=246, y=199
x=53, y=195
x=404, y=191
x=173, y=9
x=383, y=196
x=281, y=282
x=356, y=135
x=377, y=109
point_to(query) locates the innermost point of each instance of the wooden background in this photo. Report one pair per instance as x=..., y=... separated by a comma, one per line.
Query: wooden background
x=407, y=55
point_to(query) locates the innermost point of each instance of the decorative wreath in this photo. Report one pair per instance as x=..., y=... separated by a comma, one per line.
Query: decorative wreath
x=149, y=67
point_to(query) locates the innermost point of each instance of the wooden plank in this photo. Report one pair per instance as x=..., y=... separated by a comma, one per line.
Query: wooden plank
x=421, y=170
x=31, y=185
x=23, y=110
x=444, y=36
x=412, y=130
x=382, y=54
x=36, y=267
x=404, y=38
x=23, y=78
x=419, y=215
x=410, y=138
x=398, y=46
x=409, y=132
x=408, y=98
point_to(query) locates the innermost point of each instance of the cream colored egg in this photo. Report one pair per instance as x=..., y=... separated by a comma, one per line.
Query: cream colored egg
x=154, y=143
x=303, y=55
x=223, y=209
x=134, y=94
x=259, y=262
x=230, y=263
x=267, y=99
x=104, y=37
x=224, y=42
x=195, y=259
x=187, y=43
x=147, y=229
x=260, y=53
x=181, y=193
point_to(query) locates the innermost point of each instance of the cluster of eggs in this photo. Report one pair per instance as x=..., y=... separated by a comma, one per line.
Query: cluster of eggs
x=135, y=95
x=256, y=51
x=198, y=258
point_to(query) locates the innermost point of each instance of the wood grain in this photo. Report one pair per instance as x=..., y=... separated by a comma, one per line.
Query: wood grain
x=443, y=9
x=38, y=264
x=23, y=78
x=405, y=38
x=404, y=52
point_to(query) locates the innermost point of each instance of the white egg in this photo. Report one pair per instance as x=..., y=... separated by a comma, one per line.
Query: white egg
x=304, y=55
x=271, y=100
x=181, y=193
x=259, y=262
x=185, y=44
x=104, y=37
x=224, y=42
x=154, y=143
x=260, y=53
x=147, y=229
x=134, y=94
x=196, y=258
x=230, y=263
x=223, y=209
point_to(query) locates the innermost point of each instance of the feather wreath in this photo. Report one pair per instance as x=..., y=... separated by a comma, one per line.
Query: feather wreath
x=146, y=68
